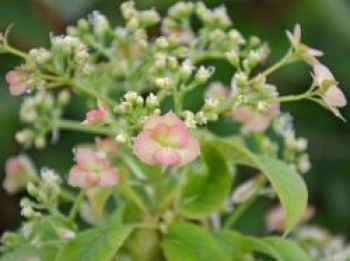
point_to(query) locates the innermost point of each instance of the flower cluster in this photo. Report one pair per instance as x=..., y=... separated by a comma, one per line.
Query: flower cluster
x=157, y=107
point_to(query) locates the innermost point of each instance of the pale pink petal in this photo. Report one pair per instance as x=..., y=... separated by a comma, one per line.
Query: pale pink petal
x=189, y=153
x=102, y=106
x=314, y=52
x=109, y=177
x=13, y=166
x=297, y=33
x=107, y=145
x=335, y=97
x=78, y=177
x=86, y=158
x=93, y=178
x=152, y=121
x=166, y=157
x=259, y=122
x=217, y=91
x=322, y=73
x=12, y=78
x=145, y=146
x=243, y=114
x=94, y=116
x=17, y=90
x=273, y=109
x=178, y=136
x=171, y=119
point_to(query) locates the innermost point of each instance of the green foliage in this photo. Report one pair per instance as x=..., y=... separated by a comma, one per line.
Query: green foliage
x=99, y=244
x=205, y=193
x=28, y=252
x=237, y=245
x=188, y=242
x=288, y=185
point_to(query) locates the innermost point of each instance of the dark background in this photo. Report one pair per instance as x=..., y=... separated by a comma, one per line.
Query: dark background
x=326, y=26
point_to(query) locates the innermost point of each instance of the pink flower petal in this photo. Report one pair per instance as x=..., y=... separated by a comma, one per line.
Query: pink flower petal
x=107, y=145
x=145, y=146
x=166, y=156
x=243, y=114
x=86, y=158
x=314, y=52
x=259, y=123
x=78, y=177
x=169, y=119
x=12, y=78
x=178, y=136
x=109, y=178
x=17, y=90
x=190, y=153
x=335, y=97
x=94, y=116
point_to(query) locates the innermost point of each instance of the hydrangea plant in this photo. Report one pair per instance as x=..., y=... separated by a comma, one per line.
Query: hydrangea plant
x=157, y=182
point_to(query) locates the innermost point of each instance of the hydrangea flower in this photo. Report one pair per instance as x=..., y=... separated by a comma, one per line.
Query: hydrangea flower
x=92, y=169
x=165, y=140
x=324, y=78
x=17, y=79
x=254, y=120
x=305, y=52
x=96, y=116
x=18, y=172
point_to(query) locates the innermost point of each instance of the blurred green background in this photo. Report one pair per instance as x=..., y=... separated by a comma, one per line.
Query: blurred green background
x=326, y=26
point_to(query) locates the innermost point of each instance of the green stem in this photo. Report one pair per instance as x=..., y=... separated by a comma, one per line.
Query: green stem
x=131, y=195
x=77, y=126
x=298, y=97
x=76, y=206
x=16, y=52
x=93, y=94
x=231, y=220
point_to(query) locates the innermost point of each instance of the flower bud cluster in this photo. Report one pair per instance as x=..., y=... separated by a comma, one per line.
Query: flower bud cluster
x=38, y=111
x=294, y=149
x=138, y=19
x=321, y=245
x=215, y=18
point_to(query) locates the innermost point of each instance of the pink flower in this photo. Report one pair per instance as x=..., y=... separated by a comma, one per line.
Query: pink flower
x=18, y=170
x=275, y=218
x=306, y=53
x=107, y=145
x=96, y=116
x=254, y=120
x=217, y=91
x=17, y=79
x=165, y=140
x=92, y=169
x=331, y=93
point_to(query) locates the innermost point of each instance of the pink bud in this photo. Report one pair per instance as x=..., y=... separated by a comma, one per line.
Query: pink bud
x=96, y=116
x=17, y=80
x=19, y=171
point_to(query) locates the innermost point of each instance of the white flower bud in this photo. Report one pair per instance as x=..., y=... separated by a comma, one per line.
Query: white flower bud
x=164, y=83
x=122, y=138
x=173, y=62
x=152, y=101
x=233, y=57
x=203, y=74
x=160, y=60
x=133, y=24
x=186, y=69
x=161, y=43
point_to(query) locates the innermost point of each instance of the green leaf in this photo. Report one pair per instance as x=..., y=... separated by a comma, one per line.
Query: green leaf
x=237, y=245
x=99, y=244
x=205, y=193
x=287, y=183
x=281, y=249
x=30, y=252
x=188, y=242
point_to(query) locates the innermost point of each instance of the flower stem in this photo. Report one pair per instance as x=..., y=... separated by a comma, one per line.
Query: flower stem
x=291, y=98
x=76, y=205
x=131, y=195
x=77, y=126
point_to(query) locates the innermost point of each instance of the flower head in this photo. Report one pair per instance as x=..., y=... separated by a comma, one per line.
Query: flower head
x=331, y=93
x=92, y=169
x=165, y=140
x=18, y=171
x=17, y=79
x=96, y=116
x=254, y=120
x=305, y=52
